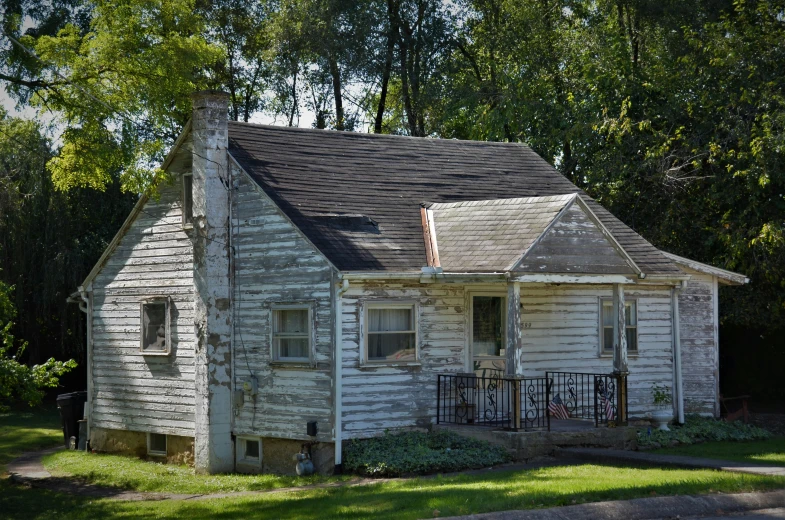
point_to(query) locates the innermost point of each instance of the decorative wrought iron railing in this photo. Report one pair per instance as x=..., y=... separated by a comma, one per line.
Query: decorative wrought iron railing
x=526, y=403
x=586, y=396
x=502, y=402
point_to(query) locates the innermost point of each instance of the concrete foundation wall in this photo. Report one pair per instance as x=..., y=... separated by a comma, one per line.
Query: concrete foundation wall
x=278, y=457
x=179, y=450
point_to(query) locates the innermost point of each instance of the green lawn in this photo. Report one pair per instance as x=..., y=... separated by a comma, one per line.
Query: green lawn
x=418, y=498
x=131, y=473
x=770, y=451
x=26, y=431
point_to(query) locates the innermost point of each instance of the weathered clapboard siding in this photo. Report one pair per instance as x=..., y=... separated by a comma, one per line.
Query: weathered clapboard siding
x=574, y=244
x=132, y=391
x=564, y=335
x=276, y=265
x=699, y=350
x=376, y=398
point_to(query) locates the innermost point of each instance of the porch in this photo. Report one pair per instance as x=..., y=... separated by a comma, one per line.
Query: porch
x=559, y=401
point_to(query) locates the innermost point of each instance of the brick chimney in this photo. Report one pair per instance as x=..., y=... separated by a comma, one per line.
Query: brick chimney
x=213, y=446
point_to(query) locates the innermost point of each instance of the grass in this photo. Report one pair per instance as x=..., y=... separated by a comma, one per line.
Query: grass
x=140, y=475
x=770, y=451
x=27, y=431
x=409, y=499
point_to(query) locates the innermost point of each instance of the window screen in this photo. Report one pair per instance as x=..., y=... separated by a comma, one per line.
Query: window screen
x=251, y=449
x=291, y=334
x=188, y=199
x=391, y=334
x=488, y=325
x=154, y=326
x=156, y=444
x=631, y=321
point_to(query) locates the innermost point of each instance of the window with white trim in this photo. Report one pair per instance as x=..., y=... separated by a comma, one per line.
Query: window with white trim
x=155, y=333
x=631, y=325
x=390, y=333
x=156, y=444
x=188, y=199
x=292, y=333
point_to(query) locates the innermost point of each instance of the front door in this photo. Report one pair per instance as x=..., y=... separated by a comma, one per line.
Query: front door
x=488, y=335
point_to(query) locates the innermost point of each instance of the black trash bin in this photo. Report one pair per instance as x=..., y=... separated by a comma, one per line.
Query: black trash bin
x=71, y=407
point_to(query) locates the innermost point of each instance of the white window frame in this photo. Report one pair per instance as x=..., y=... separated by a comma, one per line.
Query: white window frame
x=241, y=458
x=154, y=300
x=609, y=353
x=274, y=354
x=156, y=453
x=185, y=223
x=391, y=304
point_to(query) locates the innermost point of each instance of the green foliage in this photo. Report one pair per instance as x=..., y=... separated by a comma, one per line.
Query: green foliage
x=698, y=429
x=417, y=453
x=661, y=395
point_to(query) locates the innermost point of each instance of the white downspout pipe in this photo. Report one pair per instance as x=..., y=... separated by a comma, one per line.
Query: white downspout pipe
x=677, y=371
x=340, y=288
x=87, y=307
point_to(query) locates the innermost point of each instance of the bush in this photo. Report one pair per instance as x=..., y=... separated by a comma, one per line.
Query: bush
x=701, y=429
x=395, y=455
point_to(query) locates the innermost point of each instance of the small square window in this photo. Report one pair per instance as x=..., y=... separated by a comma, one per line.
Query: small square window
x=292, y=334
x=391, y=333
x=155, y=326
x=631, y=319
x=188, y=199
x=251, y=449
x=156, y=444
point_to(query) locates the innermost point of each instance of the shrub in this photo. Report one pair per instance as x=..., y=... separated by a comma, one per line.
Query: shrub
x=701, y=429
x=407, y=453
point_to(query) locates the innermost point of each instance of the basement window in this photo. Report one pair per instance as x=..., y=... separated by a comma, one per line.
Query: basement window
x=390, y=333
x=188, y=200
x=155, y=338
x=631, y=326
x=249, y=451
x=291, y=333
x=156, y=444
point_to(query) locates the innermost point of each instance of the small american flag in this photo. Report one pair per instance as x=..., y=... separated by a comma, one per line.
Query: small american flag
x=557, y=408
x=607, y=405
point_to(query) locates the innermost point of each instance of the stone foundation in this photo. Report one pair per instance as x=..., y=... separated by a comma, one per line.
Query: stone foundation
x=278, y=457
x=526, y=446
x=179, y=450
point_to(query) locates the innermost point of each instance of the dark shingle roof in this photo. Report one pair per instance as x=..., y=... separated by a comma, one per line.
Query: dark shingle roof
x=315, y=176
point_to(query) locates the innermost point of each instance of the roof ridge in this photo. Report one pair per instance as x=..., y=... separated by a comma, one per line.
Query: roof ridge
x=326, y=131
x=501, y=202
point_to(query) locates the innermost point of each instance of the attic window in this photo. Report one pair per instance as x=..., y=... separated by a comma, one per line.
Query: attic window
x=155, y=338
x=188, y=199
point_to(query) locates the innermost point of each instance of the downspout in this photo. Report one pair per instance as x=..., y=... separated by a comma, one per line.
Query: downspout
x=86, y=306
x=340, y=288
x=677, y=372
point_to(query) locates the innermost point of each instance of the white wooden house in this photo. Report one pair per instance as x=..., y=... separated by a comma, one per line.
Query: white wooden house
x=295, y=286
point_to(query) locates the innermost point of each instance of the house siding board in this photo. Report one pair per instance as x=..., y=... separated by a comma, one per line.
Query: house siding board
x=274, y=264
x=699, y=351
x=574, y=244
x=565, y=336
x=132, y=391
x=376, y=398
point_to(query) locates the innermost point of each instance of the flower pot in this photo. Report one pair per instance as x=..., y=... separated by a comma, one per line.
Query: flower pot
x=662, y=416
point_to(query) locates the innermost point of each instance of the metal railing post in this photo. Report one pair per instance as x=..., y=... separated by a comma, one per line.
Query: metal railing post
x=596, y=415
x=548, y=399
x=438, y=397
x=517, y=404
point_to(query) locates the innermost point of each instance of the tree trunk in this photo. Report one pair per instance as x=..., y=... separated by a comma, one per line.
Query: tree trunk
x=377, y=125
x=335, y=72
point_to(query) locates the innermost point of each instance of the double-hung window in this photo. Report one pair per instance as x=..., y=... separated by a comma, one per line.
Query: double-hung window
x=631, y=325
x=292, y=334
x=155, y=337
x=390, y=333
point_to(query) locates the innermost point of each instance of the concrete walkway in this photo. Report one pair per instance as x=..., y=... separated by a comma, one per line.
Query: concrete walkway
x=680, y=461
x=648, y=508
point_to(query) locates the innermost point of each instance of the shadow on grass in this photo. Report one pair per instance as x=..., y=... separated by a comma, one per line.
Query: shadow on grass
x=420, y=498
